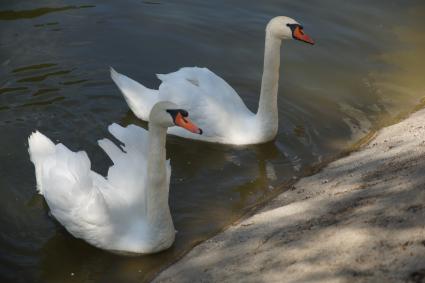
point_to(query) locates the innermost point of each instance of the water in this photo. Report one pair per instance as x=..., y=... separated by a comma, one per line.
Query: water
x=367, y=67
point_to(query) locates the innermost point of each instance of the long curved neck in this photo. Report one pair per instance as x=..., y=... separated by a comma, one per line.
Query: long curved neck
x=156, y=187
x=267, y=113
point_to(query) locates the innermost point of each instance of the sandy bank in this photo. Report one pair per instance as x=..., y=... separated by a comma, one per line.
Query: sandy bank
x=361, y=219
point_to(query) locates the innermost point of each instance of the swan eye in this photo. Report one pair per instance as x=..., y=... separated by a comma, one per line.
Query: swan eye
x=175, y=112
x=293, y=27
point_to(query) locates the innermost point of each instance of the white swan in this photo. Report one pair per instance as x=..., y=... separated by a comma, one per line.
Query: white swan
x=205, y=94
x=126, y=212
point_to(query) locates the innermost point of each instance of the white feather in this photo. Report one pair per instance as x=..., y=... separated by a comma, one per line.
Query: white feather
x=212, y=103
x=106, y=212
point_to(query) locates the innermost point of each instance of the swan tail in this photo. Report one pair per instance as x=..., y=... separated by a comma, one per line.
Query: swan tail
x=65, y=180
x=139, y=98
x=40, y=148
x=56, y=166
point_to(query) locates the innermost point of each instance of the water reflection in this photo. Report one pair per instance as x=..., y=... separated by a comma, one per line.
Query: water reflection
x=11, y=15
x=43, y=77
x=11, y=89
x=34, y=67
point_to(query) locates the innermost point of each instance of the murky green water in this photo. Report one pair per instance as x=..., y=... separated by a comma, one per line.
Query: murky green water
x=367, y=66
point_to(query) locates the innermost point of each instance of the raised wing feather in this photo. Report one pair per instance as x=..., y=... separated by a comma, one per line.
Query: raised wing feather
x=211, y=102
x=90, y=206
x=67, y=185
x=128, y=173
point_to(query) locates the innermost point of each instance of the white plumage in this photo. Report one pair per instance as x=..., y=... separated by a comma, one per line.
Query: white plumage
x=214, y=105
x=128, y=210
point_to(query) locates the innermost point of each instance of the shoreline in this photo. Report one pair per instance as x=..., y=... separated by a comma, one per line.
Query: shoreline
x=360, y=218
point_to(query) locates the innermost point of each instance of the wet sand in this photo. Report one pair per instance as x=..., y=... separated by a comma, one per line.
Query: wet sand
x=360, y=219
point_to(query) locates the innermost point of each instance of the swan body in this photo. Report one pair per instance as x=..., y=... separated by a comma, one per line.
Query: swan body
x=126, y=212
x=204, y=94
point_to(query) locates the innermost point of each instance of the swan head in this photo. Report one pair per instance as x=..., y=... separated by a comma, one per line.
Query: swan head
x=287, y=28
x=168, y=114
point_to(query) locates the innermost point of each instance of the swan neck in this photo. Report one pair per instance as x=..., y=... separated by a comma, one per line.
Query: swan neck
x=267, y=108
x=156, y=186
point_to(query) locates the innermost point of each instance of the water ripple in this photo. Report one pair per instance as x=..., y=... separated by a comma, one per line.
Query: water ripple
x=11, y=15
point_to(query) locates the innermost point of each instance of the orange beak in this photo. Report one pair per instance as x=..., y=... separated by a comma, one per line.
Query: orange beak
x=300, y=35
x=184, y=122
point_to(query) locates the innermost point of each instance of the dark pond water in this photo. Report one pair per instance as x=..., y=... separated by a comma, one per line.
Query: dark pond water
x=367, y=67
